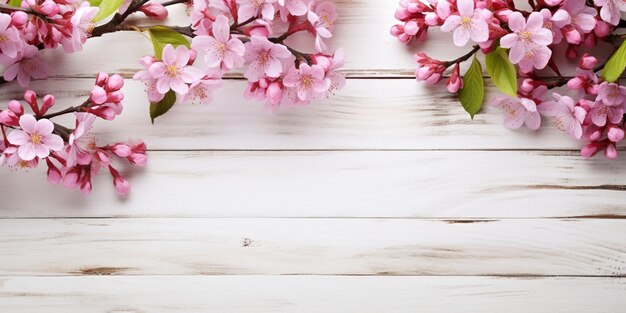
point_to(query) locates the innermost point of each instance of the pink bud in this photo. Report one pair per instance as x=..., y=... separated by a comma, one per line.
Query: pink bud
x=589, y=150
x=587, y=62
x=602, y=29
x=576, y=83
x=48, y=102
x=274, y=93
x=411, y=27
x=611, y=151
x=147, y=60
x=396, y=30
x=102, y=157
x=572, y=36
x=31, y=98
x=527, y=86
x=192, y=56
x=259, y=31
x=455, y=82
x=115, y=97
x=98, y=95
x=615, y=134
x=432, y=19
x=19, y=18
x=49, y=8
x=101, y=79
x=71, y=178
x=121, y=150
x=9, y=118
x=16, y=107
x=138, y=159
x=122, y=186
x=54, y=174
x=85, y=187
x=115, y=83
x=154, y=10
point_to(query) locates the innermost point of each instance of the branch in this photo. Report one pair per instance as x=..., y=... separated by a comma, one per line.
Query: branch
x=118, y=19
x=172, y=2
x=462, y=58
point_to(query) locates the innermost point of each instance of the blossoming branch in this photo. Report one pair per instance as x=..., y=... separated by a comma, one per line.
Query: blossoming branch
x=520, y=42
x=227, y=34
x=72, y=154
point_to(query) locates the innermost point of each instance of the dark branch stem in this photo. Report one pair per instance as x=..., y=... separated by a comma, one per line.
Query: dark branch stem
x=73, y=109
x=462, y=58
x=118, y=19
x=172, y=2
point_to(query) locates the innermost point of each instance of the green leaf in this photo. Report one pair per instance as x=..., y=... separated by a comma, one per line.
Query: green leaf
x=502, y=71
x=162, y=36
x=159, y=108
x=615, y=65
x=15, y=3
x=107, y=7
x=95, y=3
x=473, y=91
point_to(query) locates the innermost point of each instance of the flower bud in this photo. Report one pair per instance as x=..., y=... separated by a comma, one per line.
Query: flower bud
x=587, y=62
x=615, y=134
x=138, y=159
x=611, y=151
x=101, y=78
x=602, y=29
x=115, y=83
x=274, y=93
x=121, y=150
x=19, y=18
x=589, y=150
x=31, y=98
x=147, y=60
x=122, y=186
x=16, y=107
x=54, y=174
x=455, y=82
x=411, y=27
x=154, y=10
x=98, y=95
x=48, y=102
x=572, y=35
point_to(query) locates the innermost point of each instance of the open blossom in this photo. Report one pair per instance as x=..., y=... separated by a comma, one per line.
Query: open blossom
x=294, y=7
x=518, y=111
x=82, y=25
x=568, y=117
x=323, y=20
x=253, y=8
x=27, y=65
x=583, y=17
x=221, y=49
x=265, y=58
x=469, y=24
x=201, y=91
x=174, y=73
x=80, y=144
x=528, y=42
x=611, y=10
x=308, y=81
x=555, y=22
x=10, y=42
x=35, y=139
x=611, y=94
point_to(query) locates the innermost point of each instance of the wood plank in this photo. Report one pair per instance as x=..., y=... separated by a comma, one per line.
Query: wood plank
x=402, y=184
x=193, y=246
x=362, y=30
x=317, y=294
x=367, y=114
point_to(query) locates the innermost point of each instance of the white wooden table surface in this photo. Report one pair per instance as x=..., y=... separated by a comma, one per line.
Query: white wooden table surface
x=385, y=198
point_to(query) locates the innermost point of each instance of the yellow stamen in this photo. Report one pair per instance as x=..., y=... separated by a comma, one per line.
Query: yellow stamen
x=35, y=138
x=171, y=71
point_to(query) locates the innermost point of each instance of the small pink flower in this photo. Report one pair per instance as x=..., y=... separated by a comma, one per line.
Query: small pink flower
x=323, y=20
x=174, y=73
x=568, y=117
x=294, y=7
x=518, y=111
x=611, y=94
x=27, y=65
x=600, y=113
x=469, y=24
x=10, y=41
x=555, y=22
x=611, y=10
x=265, y=58
x=144, y=76
x=35, y=139
x=583, y=16
x=253, y=8
x=81, y=146
x=529, y=41
x=201, y=91
x=308, y=81
x=82, y=25
x=220, y=50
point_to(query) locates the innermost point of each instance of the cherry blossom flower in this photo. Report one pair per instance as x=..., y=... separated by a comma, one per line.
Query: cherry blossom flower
x=265, y=58
x=253, y=8
x=174, y=73
x=469, y=24
x=294, y=7
x=568, y=117
x=35, y=139
x=10, y=42
x=555, y=22
x=82, y=25
x=529, y=41
x=600, y=113
x=148, y=80
x=308, y=81
x=80, y=144
x=518, y=111
x=27, y=65
x=583, y=17
x=201, y=91
x=611, y=94
x=323, y=19
x=611, y=10
x=220, y=50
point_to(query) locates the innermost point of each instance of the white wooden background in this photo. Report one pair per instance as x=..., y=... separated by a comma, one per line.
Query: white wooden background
x=385, y=198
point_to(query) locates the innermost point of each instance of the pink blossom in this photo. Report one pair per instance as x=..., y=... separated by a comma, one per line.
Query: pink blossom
x=600, y=113
x=81, y=146
x=294, y=7
x=528, y=42
x=253, y=8
x=323, y=20
x=611, y=10
x=331, y=67
x=220, y=50
x=428, y=69
x=174, y=73
x=308, y=81
x=555, y=22
x=82, y=25
x=611, y=94
x=518, y=111
x=265, y=58
x=583, y=16
x=468, y=24
x=35, y=139
x=568, y=117
x=154, y=10
x=27, y=65
x=10, y=42
x=201, y=91
x=144, y=76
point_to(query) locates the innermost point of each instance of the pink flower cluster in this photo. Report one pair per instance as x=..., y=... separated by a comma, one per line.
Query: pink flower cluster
x=72, y=155
x=40, y=24
x=588, y=108
x=250, y=34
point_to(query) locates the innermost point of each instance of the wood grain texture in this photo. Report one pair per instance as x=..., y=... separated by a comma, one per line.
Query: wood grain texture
x=196, y=246
x=402, y=184
x=261, y=294
x=367, y=114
